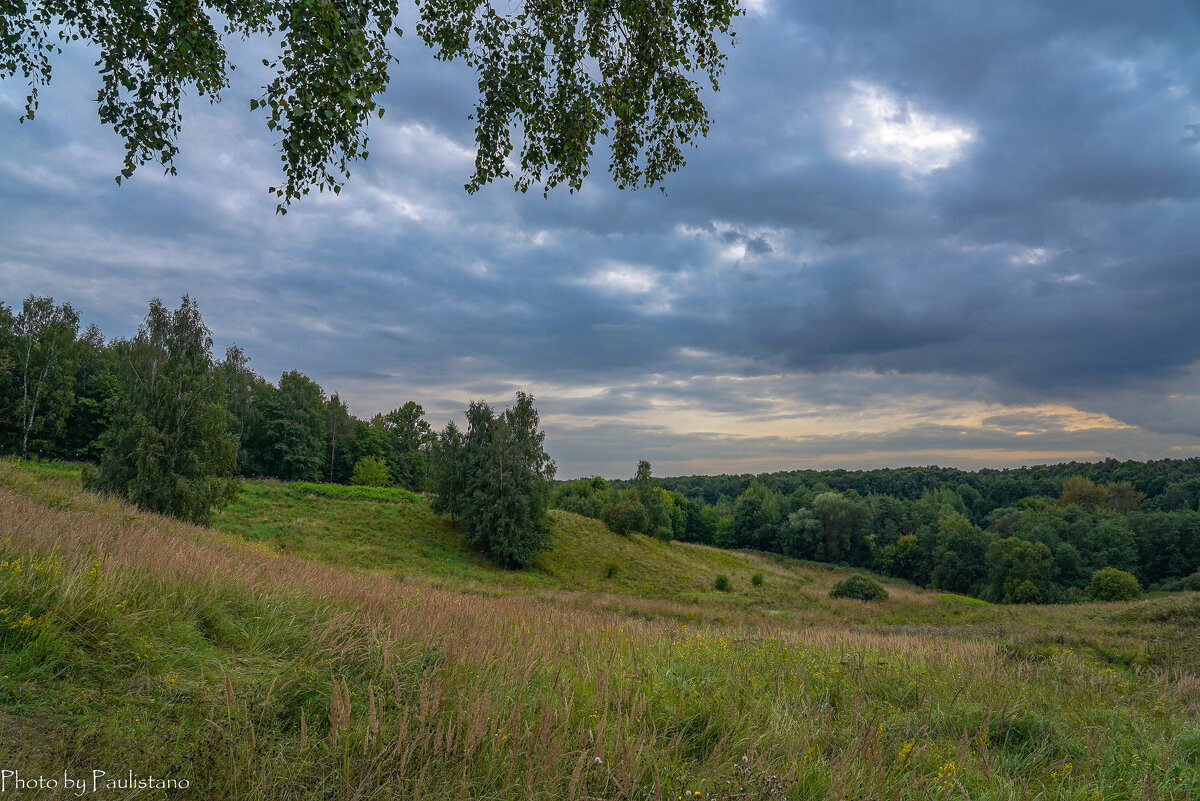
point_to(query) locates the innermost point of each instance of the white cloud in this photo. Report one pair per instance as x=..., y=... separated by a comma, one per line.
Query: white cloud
x=415, y=144
x=878, y=126
x=624, y=278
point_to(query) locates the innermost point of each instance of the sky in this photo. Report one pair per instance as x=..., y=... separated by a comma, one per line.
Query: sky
x=964, y=234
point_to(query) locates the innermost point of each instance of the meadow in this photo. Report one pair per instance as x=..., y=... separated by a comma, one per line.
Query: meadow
x=324, y=643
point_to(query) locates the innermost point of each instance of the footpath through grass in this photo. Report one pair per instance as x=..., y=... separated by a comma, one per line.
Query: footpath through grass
x=130, y=642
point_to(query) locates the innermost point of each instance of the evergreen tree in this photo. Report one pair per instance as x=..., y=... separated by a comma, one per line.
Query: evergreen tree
x=169, y=448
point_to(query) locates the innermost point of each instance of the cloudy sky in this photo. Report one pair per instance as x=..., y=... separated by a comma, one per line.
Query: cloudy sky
x=918, y=233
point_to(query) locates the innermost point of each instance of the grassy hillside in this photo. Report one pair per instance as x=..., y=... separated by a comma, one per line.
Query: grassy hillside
x=133, y=642
x=401, y=537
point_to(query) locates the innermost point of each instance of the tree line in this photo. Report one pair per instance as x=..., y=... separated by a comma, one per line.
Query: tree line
x=169, y=426
x=1038, y=534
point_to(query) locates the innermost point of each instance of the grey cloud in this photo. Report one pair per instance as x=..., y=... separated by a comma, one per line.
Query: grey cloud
x=1056, y=260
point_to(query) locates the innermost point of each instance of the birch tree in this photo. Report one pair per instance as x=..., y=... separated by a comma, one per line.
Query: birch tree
x=169, y=448
x=554, y=77
x=44, y=359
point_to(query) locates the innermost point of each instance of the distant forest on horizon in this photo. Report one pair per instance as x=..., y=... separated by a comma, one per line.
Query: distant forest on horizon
x=1028, y=534
x=171, y=426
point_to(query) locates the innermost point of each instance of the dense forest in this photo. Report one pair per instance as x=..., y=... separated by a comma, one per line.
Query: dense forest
x=1034, y=534
x=169, y=426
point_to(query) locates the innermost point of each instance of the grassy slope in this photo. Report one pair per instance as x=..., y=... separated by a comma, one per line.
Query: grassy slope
x=406, y=539
x=259, y=674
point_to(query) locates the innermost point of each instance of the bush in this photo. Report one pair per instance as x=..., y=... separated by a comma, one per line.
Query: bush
x=757, y=579
x=863, y=588
x=1110, y=584
x=370, y=472
x=611, y=569
x=622, y=516
x=1191, y=582
x=722, y=583
x=1024, y=592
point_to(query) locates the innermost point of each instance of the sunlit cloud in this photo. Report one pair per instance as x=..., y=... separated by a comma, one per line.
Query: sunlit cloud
x=624, y=278
x=875, y=125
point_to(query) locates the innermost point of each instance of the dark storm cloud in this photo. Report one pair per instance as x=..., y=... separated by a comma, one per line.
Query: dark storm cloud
x=984, y=204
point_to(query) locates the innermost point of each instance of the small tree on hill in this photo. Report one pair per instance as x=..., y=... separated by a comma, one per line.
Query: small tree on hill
x=496, y=481
x=370, y=471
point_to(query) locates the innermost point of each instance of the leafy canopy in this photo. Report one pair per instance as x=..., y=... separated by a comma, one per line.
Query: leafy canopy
x=553, y=77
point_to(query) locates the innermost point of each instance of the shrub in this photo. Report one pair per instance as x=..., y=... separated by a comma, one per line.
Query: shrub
x=1024, y=592
x=610, y=569
x=722, y=583
x=1110, y=584
x=757, y=579
x=863, y=588
x=370, y=472
x=1191, y=582
x=622, y=516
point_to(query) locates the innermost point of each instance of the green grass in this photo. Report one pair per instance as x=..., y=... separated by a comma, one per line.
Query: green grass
x=399, y=536
x=951, y=598
x=243, y=660
x=349, y=493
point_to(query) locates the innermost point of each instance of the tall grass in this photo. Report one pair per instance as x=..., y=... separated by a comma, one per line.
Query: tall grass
x=134, y=642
